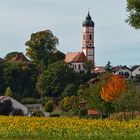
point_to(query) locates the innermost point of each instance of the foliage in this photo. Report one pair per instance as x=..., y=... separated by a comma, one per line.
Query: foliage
x=88, y=66
x=20, y=77
x=56, y=56
x=17, y=112
x=133, y=9
x=92, y=98
x=11, y=55
x=129, y=102
x=70, y=90
x=8, y=92
x=68, y=128
x=54, y=80
x=29, y=101
x=6, y=107
x=38, y=113
x=49, y=107
x=115, y=86
x=82, y=112
x=66, y=104
x=40, y=45
x=108, y=66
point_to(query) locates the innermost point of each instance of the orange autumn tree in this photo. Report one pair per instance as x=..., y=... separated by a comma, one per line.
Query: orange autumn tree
x=114, y=87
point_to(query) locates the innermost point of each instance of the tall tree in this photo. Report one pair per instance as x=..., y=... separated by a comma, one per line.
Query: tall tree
x=108, y=66
x=133, y=9
x=40, y=45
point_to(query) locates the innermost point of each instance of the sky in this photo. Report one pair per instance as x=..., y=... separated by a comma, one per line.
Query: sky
x=115, y=40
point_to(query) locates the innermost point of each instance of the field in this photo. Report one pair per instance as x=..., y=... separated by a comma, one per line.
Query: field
x=67, y=128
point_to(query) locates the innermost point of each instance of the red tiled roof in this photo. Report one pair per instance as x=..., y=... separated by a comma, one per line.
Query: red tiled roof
x=93, y=112
x=99, y=69
x=75, y=57
x=20, y=57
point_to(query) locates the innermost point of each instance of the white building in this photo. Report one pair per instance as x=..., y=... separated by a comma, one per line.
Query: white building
x=135, y=70
x=123, y=71
x=15, y=104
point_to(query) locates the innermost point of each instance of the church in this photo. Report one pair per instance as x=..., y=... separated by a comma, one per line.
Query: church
x=77, y=59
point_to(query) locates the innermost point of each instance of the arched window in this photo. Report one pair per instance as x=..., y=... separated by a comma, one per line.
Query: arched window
x=90, y=37
x=79, y=67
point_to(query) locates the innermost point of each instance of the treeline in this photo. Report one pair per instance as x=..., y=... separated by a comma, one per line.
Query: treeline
x=42, y=73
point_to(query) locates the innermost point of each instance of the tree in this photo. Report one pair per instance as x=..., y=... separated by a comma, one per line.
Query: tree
x=70, y=90
x=108, y=66
x=115, y=86
x=128, y=102
x=56, y=56
x=133, y=9
x=66, y=104
x=8, y=92
x=21, y=78
x=54, y=80
x=40, y=46
x=49, y=107
x=92, y=98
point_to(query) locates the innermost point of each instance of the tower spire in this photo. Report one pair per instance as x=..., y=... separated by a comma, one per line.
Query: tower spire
x=88, y=38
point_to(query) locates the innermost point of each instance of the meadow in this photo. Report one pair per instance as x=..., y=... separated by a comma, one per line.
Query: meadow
x=28, y=128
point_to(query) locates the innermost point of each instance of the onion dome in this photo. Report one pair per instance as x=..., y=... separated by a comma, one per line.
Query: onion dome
x=88, y=21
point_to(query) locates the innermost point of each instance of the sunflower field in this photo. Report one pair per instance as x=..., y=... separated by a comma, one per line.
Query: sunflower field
x=67, y=128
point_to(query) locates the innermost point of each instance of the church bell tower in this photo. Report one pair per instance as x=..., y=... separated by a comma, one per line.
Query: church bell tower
x=88, y=39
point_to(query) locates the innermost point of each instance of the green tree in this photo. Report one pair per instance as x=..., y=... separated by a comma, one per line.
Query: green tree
x=49, y=107
x=70, y=90
x=108, y=66
x=21, y=78
x=66, y=104
x=54, y=80
x=129, y=102
x=40, y=46
x=56, y=56
x=133, y=9
x=8, y=92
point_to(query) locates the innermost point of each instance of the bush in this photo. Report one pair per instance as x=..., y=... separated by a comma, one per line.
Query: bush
x=17, y=112
x=66, y=104
x=49, y=107
x=38, y=114
x=82, y=112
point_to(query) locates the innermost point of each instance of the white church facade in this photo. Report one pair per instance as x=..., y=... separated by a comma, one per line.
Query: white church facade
x=77, y=59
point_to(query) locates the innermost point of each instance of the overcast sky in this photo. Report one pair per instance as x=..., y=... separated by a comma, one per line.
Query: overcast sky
x=115, y=41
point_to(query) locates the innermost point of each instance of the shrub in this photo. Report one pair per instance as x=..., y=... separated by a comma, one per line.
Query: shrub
x=38, y=114
x=82, y=112
x=49, y=107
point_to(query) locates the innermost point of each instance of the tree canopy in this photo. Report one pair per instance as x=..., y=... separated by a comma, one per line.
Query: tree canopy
x=40, y=45
x=54, y=80
x=133, y=9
